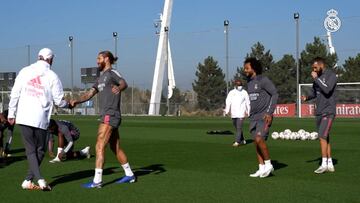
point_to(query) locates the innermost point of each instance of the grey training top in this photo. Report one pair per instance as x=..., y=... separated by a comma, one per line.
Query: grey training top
x=324, y=91
x=263, y=97
x=109, y=102
x=68, y=130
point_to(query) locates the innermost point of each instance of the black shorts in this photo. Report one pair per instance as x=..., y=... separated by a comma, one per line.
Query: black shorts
x=323, y=124
x=259, y=128
x=112, y=119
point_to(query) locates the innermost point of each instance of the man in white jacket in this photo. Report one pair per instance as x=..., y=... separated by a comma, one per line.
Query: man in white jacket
x=35, y=91
x=238, y=104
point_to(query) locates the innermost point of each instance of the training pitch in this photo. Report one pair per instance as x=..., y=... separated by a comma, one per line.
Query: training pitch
x=176, y=161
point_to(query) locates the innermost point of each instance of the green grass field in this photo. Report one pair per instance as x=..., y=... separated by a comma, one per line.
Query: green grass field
x=176, y=161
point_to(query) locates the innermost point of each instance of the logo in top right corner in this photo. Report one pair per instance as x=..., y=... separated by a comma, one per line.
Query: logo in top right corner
x=332, y=22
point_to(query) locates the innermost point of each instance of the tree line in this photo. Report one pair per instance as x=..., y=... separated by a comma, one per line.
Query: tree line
x=210, y=84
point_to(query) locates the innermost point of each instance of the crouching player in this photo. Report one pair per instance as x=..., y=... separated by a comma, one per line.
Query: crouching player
x=67, y=134
x=4, y=124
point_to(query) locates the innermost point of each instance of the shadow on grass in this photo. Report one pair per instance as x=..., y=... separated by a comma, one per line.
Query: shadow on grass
x=69, y=159
x=15, y=151
x=278, y=165
x=10, y=160
x=249, y=141
x=319, y=160
x=152, y=169
x=78, y=175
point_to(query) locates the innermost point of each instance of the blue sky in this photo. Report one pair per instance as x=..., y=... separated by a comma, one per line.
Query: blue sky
x=196, y=32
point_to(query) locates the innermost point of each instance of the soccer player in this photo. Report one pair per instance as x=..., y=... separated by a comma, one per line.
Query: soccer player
x=37, y=88
x=109, y=85
x=67, y=134
x=4, y=124
x=324, y=91
x=263, y=98
x=238, y=104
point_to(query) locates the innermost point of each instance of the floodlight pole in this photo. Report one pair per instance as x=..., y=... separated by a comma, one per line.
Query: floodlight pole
x=115, y=35
x=166, y=29
x=226, y=31
x=71, y=38
x=296, y=18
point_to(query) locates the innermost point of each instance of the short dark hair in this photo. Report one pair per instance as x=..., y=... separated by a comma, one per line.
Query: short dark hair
x=109, y=55
x=319, y=59
x=255, y=65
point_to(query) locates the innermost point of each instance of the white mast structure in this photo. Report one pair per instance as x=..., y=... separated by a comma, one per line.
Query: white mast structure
x=163, y=58
x=332, y=23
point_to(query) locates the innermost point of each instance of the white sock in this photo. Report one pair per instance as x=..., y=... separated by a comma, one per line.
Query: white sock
x=98, y=175
x=324, y=161
x=329, y=161
x=59, y=151
x=127, y=169
x=83, y=151
x=267, y=162
x=261, y=167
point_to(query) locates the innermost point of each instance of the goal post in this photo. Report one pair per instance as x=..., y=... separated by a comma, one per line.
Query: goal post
x=347, y=100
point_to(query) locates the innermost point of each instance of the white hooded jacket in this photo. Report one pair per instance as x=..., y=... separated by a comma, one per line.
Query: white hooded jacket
x=35, y=90
x=237, y=103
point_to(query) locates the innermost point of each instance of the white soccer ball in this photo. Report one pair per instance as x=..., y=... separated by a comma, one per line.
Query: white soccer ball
x=281, y=135
x=287, y=136
x=287, y=131
x=301, y=131
x=275, y=135
x=305, y=136
x=293, y=135
x=313, y=135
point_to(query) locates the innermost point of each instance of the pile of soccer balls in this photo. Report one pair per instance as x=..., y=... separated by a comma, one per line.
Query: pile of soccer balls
x=299, y=135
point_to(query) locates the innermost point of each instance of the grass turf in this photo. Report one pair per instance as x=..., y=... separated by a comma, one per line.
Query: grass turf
x=175, y=160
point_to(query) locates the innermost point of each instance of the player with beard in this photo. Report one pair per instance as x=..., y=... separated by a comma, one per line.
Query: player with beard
x=324, y=86
x=263, y=98
x=109, y=85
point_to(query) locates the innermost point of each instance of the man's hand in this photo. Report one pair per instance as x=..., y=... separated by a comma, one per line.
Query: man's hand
x=115, y=89
x=72, y=104
x=11, y=121
x=303, y=98
x=268, y=119
x=62, y=156
x=314, y=75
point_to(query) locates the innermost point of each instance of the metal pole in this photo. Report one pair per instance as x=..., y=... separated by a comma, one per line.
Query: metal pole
x=72, y=63
x=296, y=17
x=28, y=54
x=115, y=35
x=132, y=98
x=167, y=65
x=226, y=31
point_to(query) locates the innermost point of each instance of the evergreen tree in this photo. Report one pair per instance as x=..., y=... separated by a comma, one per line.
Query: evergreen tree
x=283, y=75
x=351, y=71
x=313, y=50
x=177, y=97
x=266, y=58
x=210, y=85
